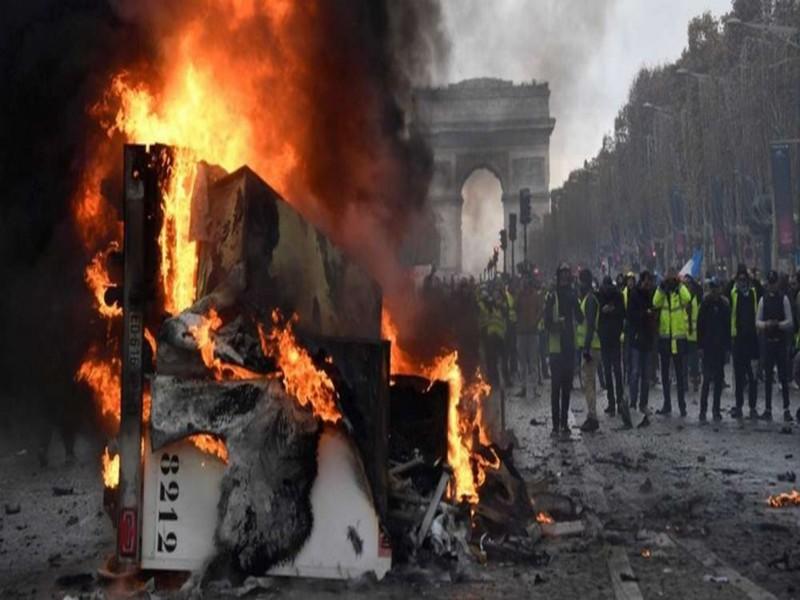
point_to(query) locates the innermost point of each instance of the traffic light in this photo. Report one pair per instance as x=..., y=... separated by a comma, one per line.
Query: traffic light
x=512, y=227
x=503, y=239
x=524, y=206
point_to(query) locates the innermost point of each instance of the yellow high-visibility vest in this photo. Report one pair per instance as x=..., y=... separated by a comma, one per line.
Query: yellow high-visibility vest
x=580, y=330
x=735, y=303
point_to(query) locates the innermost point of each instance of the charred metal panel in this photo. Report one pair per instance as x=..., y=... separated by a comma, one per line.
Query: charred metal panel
x=418, y=415
x=287, y=263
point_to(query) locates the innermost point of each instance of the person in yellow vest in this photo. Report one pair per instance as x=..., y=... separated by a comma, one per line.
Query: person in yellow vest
x=587, y=341
x=493, y=333
x=671, y=300
x=561, y=314
x=744, y=306
x=511, y=329
x=529, y=305
x=692, y=355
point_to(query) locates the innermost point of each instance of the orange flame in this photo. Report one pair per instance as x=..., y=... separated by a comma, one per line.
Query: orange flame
x=151, y=340
x=464, y=421
x=544, y=518
x=210, y=444
x=399, y=360
x=110, y=469
x=103, y=378
x=202, y=334
x=464, y=415
x=98, y=280
x=207, y=104
x=302, y=379
x=784, y=499
x=95, y=217
x=178, y=251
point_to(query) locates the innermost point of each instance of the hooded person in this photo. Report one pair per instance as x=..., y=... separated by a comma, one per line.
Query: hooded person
x=587, y=341
x=744, y=336
x=713, y=340
x=775, y=322
x=561, y=315
x=642, y=318
x=609, y=327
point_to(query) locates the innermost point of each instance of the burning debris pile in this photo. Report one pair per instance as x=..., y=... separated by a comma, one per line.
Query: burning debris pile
x=232, y=376
x=277, y=377
x=453, y=492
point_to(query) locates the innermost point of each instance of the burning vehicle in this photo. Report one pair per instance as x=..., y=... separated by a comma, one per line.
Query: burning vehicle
x=267, y=427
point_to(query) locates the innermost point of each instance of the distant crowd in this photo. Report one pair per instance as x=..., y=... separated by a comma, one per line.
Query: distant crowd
x=617, y=332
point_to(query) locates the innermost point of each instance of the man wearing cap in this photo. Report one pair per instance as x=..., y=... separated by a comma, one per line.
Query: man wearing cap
x=587, y=341
x=561, y=313
x=774, y=321
x=713, y=340
x=672, y=299
x=744, y=305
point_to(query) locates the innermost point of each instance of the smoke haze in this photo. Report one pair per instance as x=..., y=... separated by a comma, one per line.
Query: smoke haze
x=589, y=52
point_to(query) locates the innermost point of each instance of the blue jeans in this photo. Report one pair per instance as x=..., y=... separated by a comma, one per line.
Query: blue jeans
x=639, y=385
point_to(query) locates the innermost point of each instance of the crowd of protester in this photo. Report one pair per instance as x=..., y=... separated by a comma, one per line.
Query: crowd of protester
x=624, y=335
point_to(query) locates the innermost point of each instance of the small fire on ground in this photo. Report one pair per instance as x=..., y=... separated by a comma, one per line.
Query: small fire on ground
x=785, y=499
x=544, y=518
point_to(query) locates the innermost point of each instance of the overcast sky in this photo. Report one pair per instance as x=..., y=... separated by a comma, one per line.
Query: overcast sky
x=588, y=50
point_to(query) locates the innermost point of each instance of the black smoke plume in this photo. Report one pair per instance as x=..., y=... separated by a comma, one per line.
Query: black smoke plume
x=58, y=56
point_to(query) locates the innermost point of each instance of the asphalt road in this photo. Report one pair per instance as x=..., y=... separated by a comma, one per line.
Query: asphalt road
x=677, y=510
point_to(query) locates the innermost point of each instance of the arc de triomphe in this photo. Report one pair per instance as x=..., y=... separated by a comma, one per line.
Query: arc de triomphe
x=485, y=123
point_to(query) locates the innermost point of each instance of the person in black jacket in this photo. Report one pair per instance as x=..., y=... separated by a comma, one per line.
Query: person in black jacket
x=609, y=327
x=642, y=319
x=745, y=342
x=561, y=314
x=714, y=341
x=776, y=323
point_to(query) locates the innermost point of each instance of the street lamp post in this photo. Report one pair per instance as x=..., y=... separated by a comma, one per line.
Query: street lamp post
x=780, y=32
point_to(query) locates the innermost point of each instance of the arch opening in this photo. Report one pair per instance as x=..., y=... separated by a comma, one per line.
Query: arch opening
x=481, y=219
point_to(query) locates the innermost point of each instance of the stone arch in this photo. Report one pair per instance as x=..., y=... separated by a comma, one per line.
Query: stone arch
x=467, y=164
x=484, y=123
